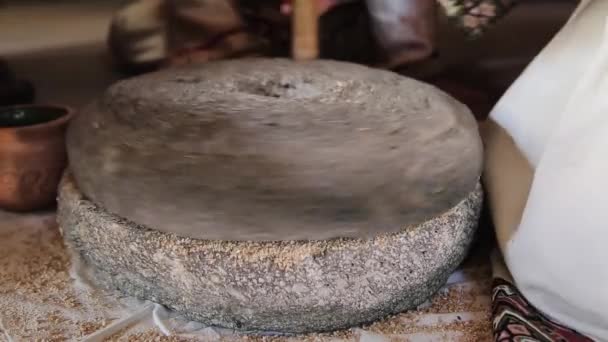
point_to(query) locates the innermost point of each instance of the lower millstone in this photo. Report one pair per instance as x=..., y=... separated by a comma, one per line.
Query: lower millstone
x=285, y=286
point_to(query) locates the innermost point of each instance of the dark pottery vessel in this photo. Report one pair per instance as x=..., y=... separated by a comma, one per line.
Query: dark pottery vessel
x=32, y=155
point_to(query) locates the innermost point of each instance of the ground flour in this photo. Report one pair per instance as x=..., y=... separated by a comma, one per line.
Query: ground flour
x=42, y=301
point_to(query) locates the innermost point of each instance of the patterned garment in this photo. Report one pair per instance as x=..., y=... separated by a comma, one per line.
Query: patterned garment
x=516, y=320
x=475, y=16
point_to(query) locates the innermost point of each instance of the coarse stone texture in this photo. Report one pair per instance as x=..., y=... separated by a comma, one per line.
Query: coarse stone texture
x=273, y=149
x=282, y=286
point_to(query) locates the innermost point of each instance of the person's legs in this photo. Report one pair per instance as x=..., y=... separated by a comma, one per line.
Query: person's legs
x=555, y=113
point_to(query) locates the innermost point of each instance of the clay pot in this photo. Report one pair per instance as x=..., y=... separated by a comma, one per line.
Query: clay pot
x=32, y=155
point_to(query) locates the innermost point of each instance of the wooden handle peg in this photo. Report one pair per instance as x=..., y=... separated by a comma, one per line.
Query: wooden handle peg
x=305, y=30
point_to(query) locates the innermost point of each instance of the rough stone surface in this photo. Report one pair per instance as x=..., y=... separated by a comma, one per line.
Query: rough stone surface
x=287, y=287
x=266, y=150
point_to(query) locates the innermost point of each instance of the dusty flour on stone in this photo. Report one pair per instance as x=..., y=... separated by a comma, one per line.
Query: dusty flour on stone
x=41, y=301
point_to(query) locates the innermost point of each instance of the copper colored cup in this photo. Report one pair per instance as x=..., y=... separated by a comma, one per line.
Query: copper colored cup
x=32, y=155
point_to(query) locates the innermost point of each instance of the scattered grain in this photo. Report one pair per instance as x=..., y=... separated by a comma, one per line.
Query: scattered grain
x=40, y=302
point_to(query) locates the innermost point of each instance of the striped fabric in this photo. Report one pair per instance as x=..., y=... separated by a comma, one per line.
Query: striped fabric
x=514, y=319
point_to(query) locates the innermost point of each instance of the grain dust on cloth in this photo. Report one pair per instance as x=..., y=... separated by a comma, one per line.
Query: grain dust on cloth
x=147, y=34
x=46, y=295
x=148, y=315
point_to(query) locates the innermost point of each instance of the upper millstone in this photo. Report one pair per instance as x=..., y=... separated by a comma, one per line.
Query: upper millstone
x=272, y=149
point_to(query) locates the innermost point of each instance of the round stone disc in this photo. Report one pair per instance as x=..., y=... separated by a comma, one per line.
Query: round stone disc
x=272, y=149
x=281, y=286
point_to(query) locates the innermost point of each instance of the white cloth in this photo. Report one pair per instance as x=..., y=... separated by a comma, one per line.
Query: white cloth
x=557, y=114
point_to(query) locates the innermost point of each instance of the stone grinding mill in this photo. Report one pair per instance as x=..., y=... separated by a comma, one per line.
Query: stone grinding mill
x=272, y=195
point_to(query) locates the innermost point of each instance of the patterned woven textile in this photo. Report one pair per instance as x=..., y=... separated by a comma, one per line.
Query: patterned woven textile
x=475, y=16
x=514, y=319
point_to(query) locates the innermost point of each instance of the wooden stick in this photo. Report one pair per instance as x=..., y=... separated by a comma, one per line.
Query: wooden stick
x=305, y=30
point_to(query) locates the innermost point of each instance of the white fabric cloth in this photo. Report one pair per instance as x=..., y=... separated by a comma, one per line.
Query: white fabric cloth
x=557, y=114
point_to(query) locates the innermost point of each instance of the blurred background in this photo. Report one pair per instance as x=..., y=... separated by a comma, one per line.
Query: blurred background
x=60, y=45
